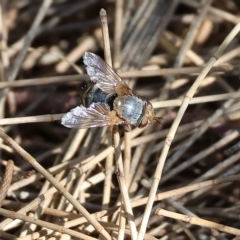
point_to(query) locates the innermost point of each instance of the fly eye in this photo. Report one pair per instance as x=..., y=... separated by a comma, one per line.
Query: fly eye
x=149, y=106
x=143, y=123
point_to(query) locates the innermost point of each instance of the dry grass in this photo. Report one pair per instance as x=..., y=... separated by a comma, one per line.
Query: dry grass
x=175, y=181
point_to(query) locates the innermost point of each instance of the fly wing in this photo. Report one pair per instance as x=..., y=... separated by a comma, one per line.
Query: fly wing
x=104, y=76
x=97, y=115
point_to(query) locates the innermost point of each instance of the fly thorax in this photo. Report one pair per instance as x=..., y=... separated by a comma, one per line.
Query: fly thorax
x=129, y=108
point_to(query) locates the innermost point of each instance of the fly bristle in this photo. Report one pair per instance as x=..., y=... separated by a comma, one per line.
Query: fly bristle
x=84, y=86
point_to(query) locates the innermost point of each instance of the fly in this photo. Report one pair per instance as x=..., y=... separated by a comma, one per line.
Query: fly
x=109, y=101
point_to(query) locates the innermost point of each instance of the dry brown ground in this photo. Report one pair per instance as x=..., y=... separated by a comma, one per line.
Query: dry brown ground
x=159, y=48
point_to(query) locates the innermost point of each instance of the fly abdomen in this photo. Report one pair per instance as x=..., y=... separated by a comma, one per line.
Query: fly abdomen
x=95, y=95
